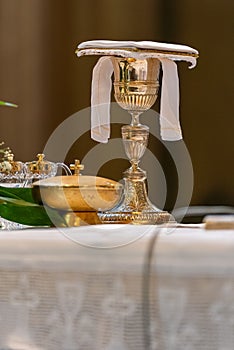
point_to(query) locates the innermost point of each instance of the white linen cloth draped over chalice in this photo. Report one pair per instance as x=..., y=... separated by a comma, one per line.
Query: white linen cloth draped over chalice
x=170, y=128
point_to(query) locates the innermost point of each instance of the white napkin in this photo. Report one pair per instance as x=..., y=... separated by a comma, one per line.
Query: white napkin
x=100, y=99
x=101, y=82
x=175, y=51
x=170, y=128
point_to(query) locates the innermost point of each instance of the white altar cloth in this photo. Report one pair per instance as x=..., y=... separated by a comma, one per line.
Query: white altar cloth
x=170, y=289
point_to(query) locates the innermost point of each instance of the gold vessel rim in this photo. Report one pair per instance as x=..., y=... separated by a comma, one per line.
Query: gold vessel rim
x=106, y=187
x=137, y=82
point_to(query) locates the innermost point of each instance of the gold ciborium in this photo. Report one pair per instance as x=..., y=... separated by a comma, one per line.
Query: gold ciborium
x=136, y=88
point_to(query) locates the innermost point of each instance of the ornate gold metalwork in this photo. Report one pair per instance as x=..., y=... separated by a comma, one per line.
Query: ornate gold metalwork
x=40, y=165
x=8, y=165
x=136, y=88
x=78, y=193
x=76, y=167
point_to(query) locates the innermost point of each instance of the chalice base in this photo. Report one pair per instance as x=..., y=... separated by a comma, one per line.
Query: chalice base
x=135, y=208
x=137, y=218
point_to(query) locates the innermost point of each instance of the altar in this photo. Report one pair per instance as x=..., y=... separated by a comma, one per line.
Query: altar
x=136, y=279
x=101, y=287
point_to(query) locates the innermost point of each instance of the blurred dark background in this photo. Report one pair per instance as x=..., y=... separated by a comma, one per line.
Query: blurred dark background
x=41, y=73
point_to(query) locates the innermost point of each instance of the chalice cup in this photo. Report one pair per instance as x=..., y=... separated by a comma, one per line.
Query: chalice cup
x=136, y=85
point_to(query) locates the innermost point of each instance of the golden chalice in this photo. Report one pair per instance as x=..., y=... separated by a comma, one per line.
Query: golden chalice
x=136, y=67
x=135, y=89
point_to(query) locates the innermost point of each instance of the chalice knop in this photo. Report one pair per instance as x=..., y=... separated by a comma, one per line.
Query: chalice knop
x=136, y=88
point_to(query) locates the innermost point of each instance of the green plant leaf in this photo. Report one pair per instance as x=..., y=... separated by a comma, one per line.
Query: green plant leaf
x=24, y=193
x=18, y=205
x=8, y=104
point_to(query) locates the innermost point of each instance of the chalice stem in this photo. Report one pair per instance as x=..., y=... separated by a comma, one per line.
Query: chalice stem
x=135, y=118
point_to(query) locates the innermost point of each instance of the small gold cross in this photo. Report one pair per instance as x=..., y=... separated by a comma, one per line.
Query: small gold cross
x=77, y=167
